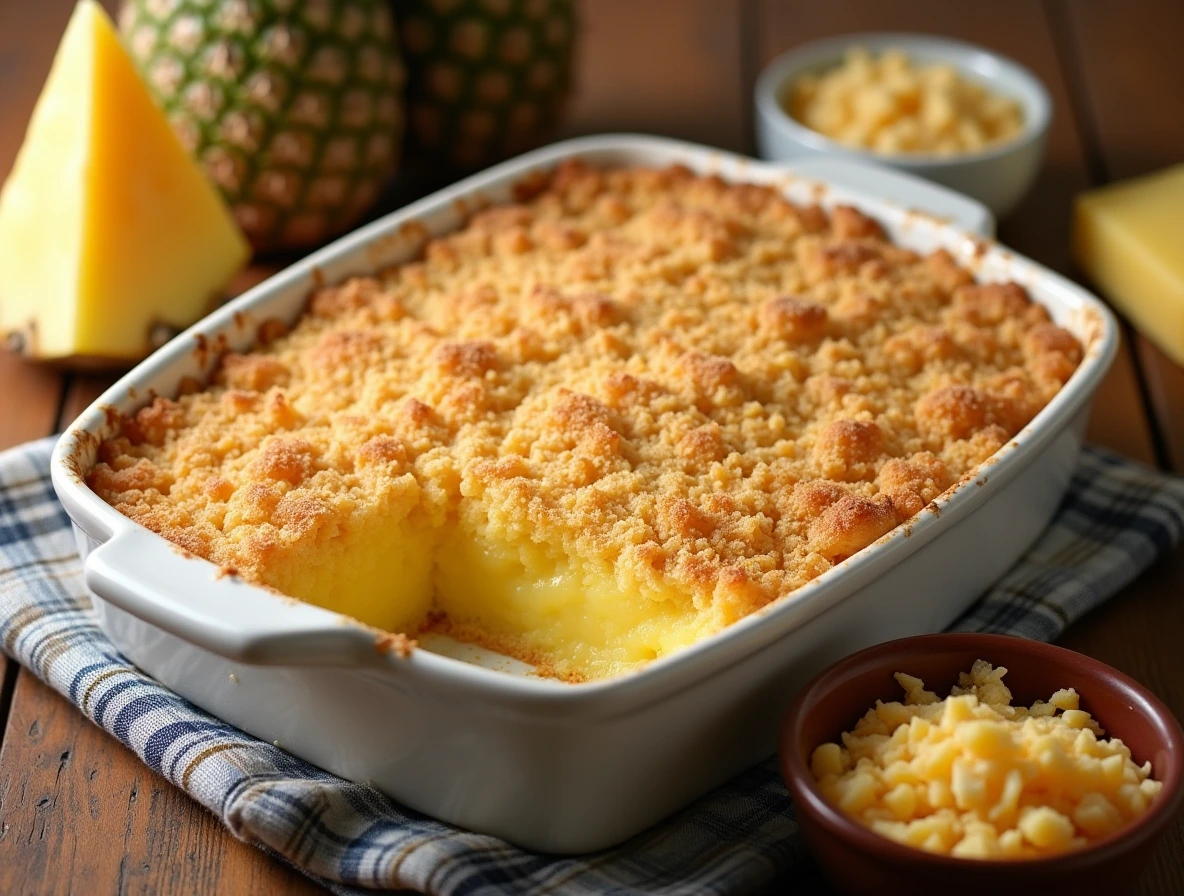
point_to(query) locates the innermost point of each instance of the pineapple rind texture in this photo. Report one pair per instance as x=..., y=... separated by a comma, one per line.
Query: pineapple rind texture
x=293, y=108
x=485, y=78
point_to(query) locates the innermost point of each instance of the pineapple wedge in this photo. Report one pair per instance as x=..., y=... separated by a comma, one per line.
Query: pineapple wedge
x=109, y=232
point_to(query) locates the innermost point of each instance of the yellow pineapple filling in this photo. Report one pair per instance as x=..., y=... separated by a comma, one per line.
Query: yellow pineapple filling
x=516, y=598
x=520, y=598
x=594, y=427
x=382, y=577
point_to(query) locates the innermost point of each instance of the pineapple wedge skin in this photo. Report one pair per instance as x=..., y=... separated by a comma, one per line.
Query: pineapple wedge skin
x=108, y=230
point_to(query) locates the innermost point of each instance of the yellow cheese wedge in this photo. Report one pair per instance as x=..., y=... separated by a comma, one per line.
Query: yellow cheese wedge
x=1129, y=239
x=108, y=229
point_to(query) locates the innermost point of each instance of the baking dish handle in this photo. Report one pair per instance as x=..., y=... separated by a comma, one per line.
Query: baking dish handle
x=900, y=188
x=197, y=602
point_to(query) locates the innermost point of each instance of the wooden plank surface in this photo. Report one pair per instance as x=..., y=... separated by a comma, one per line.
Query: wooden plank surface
x=1129, y=137
x=76, y=807
x=670, y=67
x=81, y=390
x=28, y=400
x=82, y=815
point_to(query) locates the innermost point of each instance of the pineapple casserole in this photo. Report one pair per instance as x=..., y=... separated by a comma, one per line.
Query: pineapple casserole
x=975, y=777
x=595, y=426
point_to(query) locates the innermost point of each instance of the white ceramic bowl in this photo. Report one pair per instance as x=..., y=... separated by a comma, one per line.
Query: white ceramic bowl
x=999, y=176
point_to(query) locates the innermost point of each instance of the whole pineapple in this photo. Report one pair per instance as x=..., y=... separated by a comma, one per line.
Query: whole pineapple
x=294, y=107
x=485, y=78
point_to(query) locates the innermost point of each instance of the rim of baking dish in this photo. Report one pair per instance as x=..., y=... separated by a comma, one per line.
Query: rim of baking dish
x=758, y=631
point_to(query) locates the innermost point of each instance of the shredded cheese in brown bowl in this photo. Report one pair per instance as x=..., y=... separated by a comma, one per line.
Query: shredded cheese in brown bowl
x=976, y=777
x=1063, y=786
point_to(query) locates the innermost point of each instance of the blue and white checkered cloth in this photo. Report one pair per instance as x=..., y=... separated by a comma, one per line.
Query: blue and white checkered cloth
x=742, y=838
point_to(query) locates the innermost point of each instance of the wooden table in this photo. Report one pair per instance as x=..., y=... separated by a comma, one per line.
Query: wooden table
x=79, y=813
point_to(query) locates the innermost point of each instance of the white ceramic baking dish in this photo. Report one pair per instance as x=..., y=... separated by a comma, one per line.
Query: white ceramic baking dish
x=475, y=739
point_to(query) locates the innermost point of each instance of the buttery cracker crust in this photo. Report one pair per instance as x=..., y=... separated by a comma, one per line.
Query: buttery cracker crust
x=693, y=385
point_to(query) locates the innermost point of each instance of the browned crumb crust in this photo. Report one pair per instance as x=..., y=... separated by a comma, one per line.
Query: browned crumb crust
x=392, y=642
x=693, y=383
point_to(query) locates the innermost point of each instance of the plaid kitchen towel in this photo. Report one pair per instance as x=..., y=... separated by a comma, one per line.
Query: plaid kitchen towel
x=1117, y=518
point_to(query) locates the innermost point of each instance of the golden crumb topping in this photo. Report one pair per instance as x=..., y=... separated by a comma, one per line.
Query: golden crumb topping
x=692, y=383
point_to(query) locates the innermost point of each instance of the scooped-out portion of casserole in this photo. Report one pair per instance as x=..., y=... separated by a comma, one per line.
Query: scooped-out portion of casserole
x=596, y=426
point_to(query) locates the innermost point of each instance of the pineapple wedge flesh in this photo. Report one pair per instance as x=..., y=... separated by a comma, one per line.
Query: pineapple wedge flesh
x=108, y=230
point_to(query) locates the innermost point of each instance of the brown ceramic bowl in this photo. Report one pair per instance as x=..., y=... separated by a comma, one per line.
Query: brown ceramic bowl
x=859, y=861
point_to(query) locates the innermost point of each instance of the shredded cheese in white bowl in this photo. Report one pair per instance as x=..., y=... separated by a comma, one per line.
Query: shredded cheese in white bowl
x=892, y=104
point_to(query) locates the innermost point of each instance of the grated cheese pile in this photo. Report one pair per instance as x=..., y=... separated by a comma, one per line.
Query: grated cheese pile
x=975, y=777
